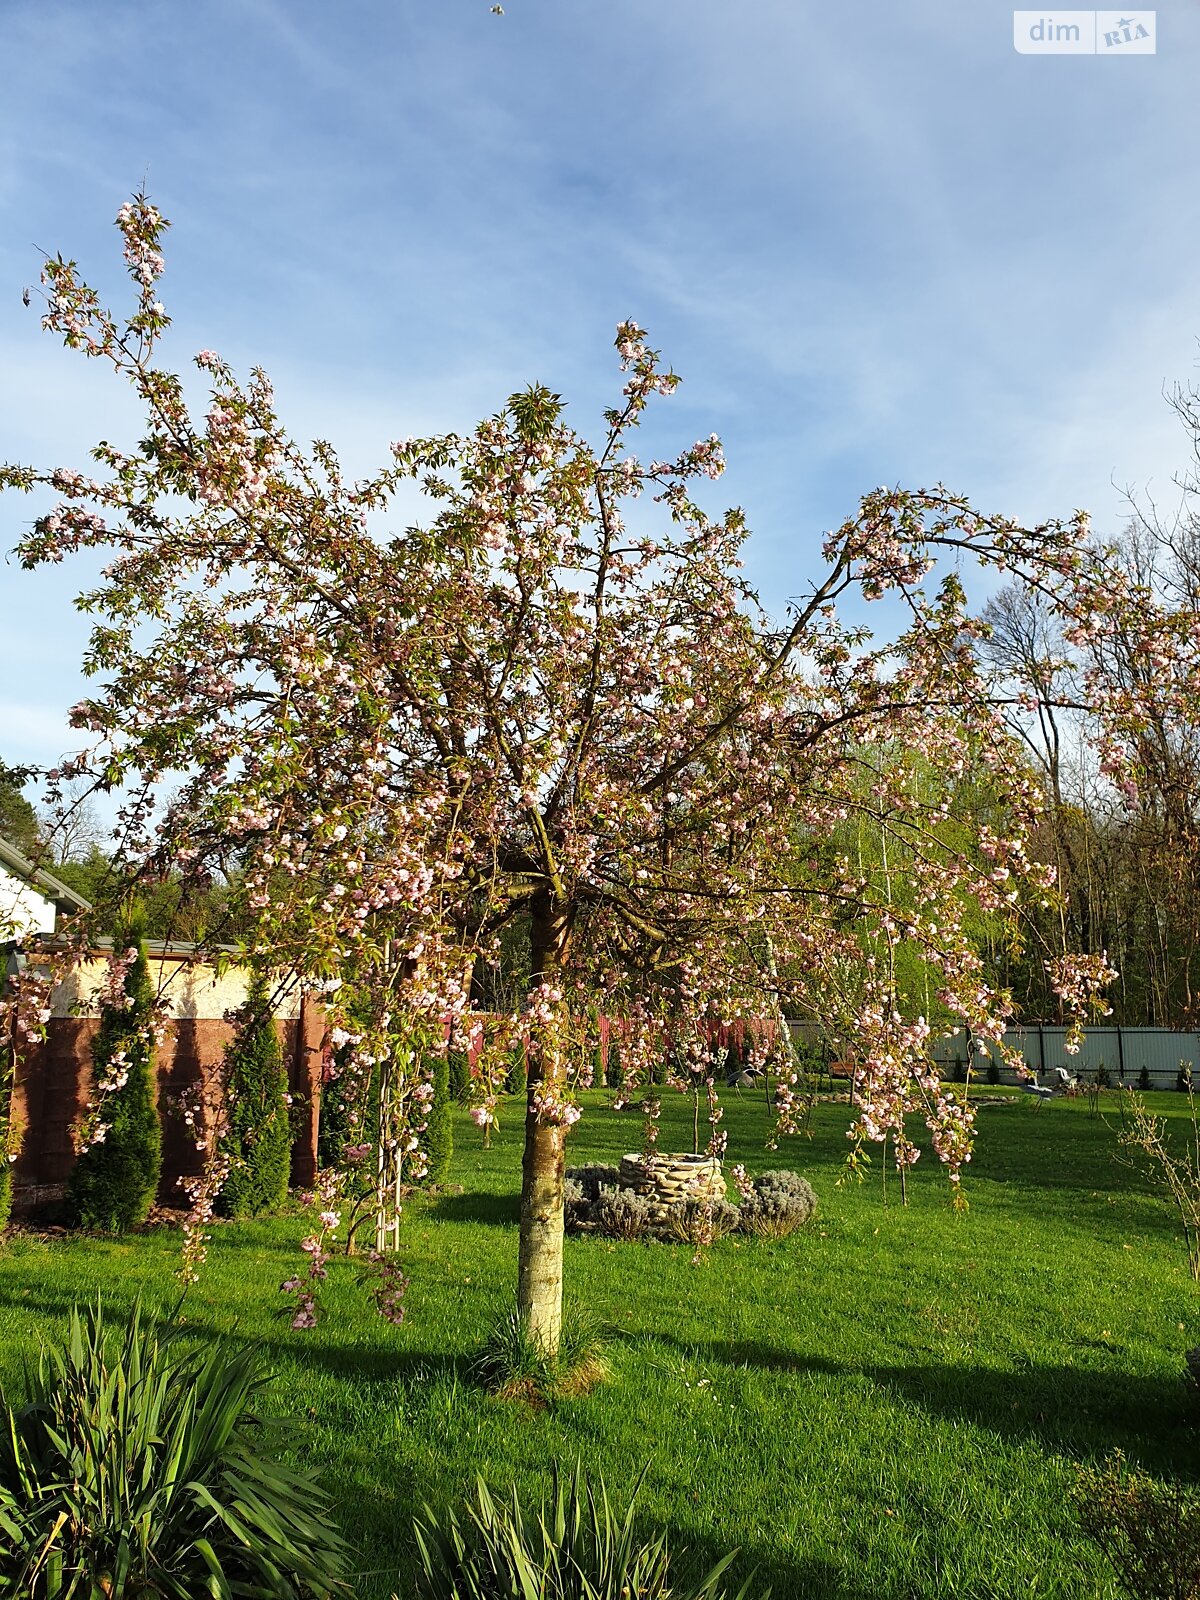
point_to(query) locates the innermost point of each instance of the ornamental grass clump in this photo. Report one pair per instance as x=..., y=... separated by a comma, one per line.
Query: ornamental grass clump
x=135, y=1470
x=572, y=1545
x=514, y=1365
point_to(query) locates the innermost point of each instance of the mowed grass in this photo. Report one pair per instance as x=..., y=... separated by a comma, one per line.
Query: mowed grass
x=891, y=1403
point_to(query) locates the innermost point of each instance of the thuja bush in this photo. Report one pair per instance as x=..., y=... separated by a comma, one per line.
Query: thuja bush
x=133, y=1468
x=516, y=1079
x=258, y=1141
x=8, y=1141
x=1150, y=1531
x=115, y=1179
x=335, y=1129
x=460, y=1075
x=438, y=1137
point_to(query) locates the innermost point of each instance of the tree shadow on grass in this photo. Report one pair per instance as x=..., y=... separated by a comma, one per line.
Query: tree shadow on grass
x=761, y=1568
x=497, y=1210
x=377, y=1361
x=1080, y=1412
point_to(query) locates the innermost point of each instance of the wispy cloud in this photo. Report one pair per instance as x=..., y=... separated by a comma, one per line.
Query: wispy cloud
x=879, y=244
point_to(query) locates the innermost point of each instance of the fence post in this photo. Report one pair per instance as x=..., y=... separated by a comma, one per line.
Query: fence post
x=305, y=1086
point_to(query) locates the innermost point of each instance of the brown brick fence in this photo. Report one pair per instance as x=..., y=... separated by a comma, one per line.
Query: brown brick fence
x=54, y=1080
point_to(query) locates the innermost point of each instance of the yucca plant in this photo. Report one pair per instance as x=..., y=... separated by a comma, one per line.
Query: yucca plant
x=134, y=1470
x=572, y=1546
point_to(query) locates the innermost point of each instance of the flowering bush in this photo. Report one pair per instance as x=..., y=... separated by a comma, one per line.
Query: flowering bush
x=699, y=1222
x=623, y=1214
x=775, y=1204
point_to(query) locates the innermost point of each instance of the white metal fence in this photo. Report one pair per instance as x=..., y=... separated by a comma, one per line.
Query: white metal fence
x=1122, y=1052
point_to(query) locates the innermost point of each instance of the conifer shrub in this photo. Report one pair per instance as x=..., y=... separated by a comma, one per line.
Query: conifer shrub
x=9, y=1140
x=612, y=1071
x=115, y=1179
x=460, y=1075
x=439, y=1130
x=516, y=1079
x=258, y=1140
x=334, y=1129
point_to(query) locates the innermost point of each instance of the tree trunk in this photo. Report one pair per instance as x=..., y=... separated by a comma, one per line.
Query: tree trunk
x=540, y=1251
x=540, y=1261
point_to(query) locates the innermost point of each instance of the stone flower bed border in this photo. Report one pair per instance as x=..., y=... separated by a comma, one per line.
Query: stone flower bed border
x=682, y=1198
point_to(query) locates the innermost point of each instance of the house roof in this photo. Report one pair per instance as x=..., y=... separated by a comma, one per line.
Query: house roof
x=53, y=888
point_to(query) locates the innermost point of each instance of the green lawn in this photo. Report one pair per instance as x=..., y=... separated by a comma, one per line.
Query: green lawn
x=887, y=1404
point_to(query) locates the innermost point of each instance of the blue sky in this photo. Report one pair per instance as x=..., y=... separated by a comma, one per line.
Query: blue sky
x=879, y=245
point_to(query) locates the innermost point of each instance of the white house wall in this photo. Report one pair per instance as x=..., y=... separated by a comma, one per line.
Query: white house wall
x=23, y=911
x=189, y=990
